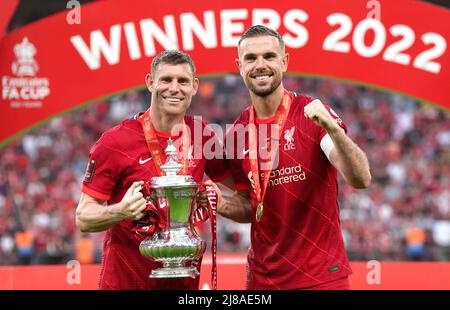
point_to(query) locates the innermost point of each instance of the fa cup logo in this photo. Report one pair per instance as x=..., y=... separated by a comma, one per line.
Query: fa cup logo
x=25, y=64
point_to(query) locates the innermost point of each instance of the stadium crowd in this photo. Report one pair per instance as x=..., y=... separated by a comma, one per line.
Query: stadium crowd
x=403, y=215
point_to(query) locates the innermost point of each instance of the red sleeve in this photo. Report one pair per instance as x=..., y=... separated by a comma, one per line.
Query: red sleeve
x=103, y=170
x=85, y=189
x=216, y=169
x=241, y=182
x=216, y=166
x=234, y=152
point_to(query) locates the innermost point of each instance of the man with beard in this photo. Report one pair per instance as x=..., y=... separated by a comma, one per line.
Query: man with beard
x=293, y=147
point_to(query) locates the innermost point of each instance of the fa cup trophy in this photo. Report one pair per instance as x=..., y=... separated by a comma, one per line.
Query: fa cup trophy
x=176, y=244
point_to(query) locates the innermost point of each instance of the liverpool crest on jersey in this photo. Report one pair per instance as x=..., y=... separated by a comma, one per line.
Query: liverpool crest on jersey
x=289, y=137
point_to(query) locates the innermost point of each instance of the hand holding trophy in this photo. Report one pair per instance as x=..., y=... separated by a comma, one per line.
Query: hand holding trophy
x=175, y=242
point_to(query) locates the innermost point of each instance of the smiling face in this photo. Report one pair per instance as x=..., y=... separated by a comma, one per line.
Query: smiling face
x=172, y=88
x=261, y=64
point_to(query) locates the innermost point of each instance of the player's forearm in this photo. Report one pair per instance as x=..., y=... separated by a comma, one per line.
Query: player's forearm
x=353, y=161
x=236, y=207
x=93, y=217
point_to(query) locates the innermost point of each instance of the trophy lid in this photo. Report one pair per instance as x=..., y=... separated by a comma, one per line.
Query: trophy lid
x=171, y=169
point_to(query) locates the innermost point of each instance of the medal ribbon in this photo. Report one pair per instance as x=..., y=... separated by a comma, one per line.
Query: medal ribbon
x=201, y=214
x=158, y=155
x=212, y=204
x=280, y=120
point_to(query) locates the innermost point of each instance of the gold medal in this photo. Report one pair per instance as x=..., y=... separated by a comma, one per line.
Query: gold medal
x=259, y=183
x=259, y=211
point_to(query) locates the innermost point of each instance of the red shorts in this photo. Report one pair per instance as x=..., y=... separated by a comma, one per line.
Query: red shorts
x=339, y=284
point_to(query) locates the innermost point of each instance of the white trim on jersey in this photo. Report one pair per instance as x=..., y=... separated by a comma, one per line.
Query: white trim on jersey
x=326, y=144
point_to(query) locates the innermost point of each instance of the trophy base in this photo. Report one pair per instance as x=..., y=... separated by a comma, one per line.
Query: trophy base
x=178, y=272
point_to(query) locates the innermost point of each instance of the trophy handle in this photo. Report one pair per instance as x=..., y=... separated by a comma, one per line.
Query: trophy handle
x=146, y=191
x=154, y=220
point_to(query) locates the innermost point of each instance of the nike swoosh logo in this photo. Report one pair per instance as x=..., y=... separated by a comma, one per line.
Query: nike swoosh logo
x=144, y=161
x=244, y=152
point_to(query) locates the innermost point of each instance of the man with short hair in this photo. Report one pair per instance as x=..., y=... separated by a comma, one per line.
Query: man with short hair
x=122, y=160
x=296, y=240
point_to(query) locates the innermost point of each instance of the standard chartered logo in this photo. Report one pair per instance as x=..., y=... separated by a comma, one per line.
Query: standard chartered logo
x=287, y=175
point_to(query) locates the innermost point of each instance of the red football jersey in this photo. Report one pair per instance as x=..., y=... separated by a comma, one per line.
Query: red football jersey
x=298, y=242
x=119, y=158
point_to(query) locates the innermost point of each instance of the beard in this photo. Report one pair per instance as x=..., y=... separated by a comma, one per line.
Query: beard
x=266, y=90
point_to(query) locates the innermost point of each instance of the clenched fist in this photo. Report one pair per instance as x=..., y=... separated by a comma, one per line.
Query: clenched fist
x=317, y=112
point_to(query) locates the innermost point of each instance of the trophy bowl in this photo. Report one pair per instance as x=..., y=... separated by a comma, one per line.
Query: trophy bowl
x=177, y=244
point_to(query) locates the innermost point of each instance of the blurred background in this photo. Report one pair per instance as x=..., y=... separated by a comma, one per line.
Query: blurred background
x=404, y=215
